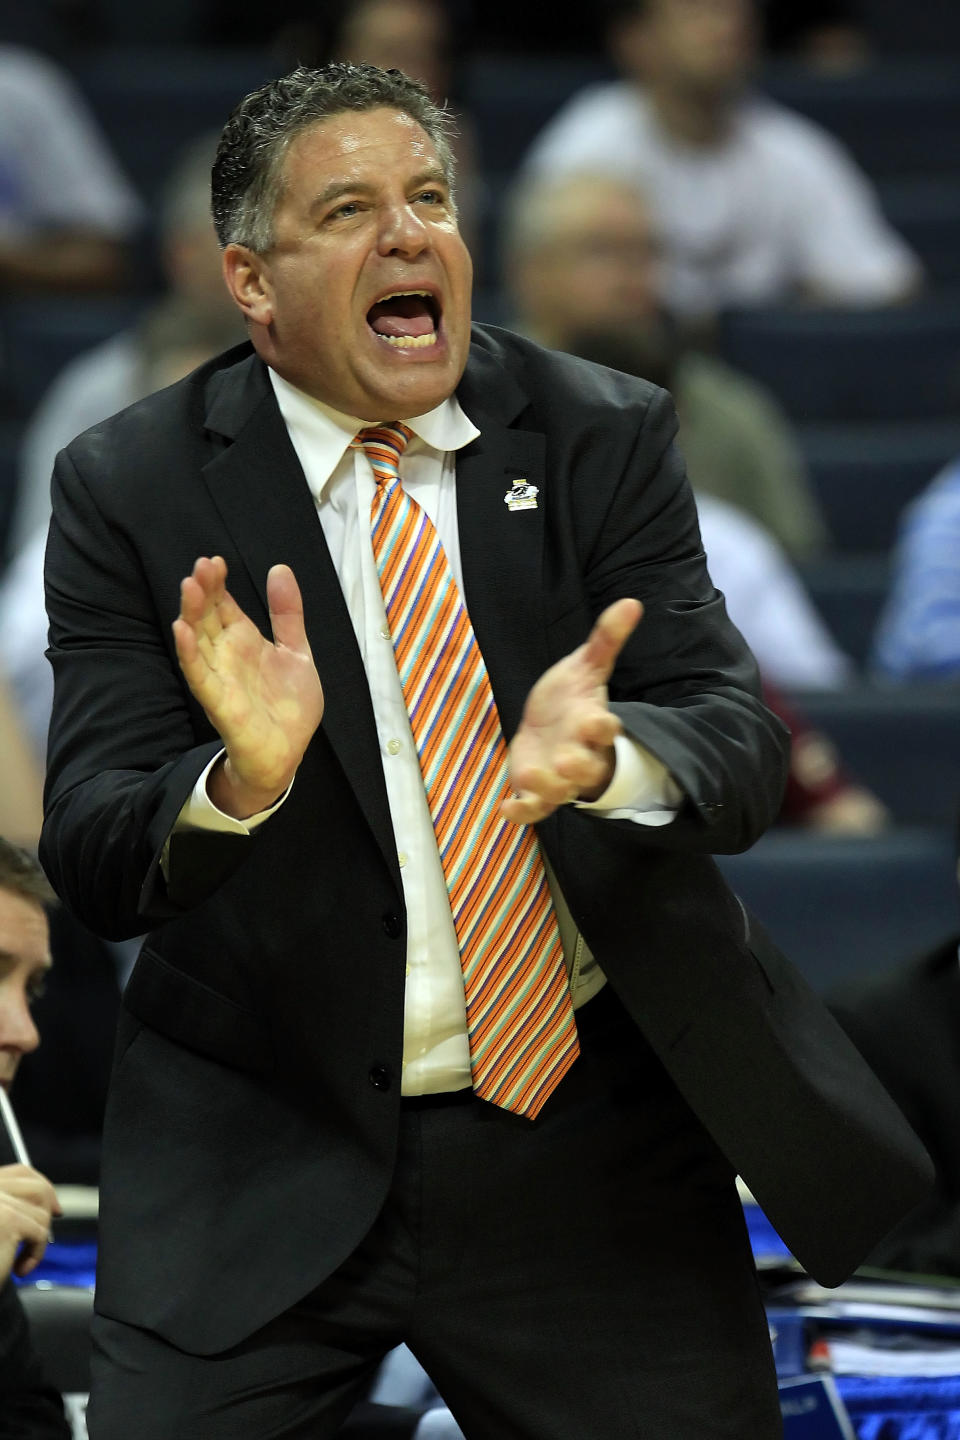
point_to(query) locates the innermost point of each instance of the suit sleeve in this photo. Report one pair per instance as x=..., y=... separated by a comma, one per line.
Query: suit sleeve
x=126, y=744
x=686, y=685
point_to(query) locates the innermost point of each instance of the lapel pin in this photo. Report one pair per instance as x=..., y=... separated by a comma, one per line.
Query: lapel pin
x=521, y=496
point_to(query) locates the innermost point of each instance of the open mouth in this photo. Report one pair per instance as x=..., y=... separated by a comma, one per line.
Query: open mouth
x=406, y=319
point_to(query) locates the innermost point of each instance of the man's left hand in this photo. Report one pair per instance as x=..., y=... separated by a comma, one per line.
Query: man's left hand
x=563, y=749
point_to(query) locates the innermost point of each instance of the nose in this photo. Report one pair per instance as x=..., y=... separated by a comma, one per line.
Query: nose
x=402, y=232
x=18, y=1033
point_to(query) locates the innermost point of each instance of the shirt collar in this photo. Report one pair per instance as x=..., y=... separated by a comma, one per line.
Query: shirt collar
x=329, y=432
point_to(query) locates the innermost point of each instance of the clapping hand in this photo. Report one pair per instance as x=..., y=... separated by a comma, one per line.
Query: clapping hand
x=563, y=748
x=263, y=697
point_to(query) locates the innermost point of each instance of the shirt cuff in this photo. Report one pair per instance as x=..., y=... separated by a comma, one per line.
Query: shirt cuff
x=642, y=788
x=200, y=813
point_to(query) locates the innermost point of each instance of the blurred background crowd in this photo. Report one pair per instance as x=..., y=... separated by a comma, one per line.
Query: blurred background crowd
x=756, y=205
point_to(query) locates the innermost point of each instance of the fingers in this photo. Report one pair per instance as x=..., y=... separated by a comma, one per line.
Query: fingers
x=27, y=1201
x=286, y=609
x=609, y=635
x=575, y=772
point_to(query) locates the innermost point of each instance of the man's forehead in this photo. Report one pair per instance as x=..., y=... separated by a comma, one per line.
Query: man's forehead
x=348, y=133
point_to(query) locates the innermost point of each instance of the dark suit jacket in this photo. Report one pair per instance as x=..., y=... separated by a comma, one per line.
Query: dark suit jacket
x=907, y=1025
x=253, y=1119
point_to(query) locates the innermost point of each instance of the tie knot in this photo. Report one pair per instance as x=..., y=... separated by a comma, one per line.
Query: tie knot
x=384, y=445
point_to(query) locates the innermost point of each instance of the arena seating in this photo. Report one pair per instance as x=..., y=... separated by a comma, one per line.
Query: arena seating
x=841, y=908
x=864, y=473
x=901, y=741
x=901, y=363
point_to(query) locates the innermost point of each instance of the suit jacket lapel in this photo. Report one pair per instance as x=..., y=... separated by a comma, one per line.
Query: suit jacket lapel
x=502, y=548
x=260, y=491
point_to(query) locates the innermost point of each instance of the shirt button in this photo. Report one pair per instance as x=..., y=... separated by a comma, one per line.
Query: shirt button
x=379, y=1077
x=393, y=747
x=384, y=632
x=402, y=858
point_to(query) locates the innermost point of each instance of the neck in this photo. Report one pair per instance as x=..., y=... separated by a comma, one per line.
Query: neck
x=695, y=118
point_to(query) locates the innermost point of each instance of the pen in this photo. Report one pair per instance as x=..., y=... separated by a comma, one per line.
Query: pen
x=13, y=1129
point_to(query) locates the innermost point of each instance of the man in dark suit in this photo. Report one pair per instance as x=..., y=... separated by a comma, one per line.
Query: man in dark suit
x=325, y=1133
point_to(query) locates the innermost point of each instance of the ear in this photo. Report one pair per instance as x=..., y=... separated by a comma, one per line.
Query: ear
x=248, y=280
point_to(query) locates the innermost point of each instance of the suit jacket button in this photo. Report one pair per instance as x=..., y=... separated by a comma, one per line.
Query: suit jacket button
x=393, y=925
x=379, y=1077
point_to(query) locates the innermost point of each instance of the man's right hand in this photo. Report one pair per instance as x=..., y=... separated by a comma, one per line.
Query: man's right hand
x=264, y=699
x=27, y=1202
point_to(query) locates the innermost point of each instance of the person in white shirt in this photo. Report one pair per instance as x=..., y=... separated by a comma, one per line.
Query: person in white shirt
x=583, y=271
x=755, y=204
x=67, y=211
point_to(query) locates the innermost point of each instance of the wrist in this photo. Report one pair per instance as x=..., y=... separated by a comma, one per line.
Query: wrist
x=608, y=760
x=235, y=796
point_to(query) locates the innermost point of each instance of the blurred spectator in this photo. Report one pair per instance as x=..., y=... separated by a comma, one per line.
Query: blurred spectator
x=28, y=1406
x=755, y=204
x=767, y=601
x=27, y=677
x=21, y=774
x=67, y=214
x=193, y=320
x=60, y=1093
x=820, y=794
x=918, y=636
x=415, y=36
x=582, y=259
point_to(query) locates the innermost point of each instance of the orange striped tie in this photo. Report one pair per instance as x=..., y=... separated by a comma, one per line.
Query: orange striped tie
x=522, y=1033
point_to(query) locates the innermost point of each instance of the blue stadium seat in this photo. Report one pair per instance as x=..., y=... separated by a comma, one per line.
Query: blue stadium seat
x=849, y=591
x=40, y=334
x=864, y=474
x=841, y=908
x=152, y=100
x=901, y=363
x=899, y=117
x=922, y=27
x=901, y=741
x=926, y=212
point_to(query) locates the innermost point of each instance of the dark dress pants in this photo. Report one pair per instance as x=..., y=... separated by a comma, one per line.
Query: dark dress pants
x=584, y=1277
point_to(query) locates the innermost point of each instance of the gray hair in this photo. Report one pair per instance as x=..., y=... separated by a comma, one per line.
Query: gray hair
x=530, y=208
x=248, y=168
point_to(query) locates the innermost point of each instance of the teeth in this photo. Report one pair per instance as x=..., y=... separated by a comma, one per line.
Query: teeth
x=395, y=295
x=410, y=342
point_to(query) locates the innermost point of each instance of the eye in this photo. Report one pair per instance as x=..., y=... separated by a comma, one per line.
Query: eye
x=36, y=989
x=431, y=197
x=346, y=211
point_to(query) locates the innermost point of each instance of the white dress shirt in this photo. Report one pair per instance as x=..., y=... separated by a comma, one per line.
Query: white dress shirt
x=435, y=1051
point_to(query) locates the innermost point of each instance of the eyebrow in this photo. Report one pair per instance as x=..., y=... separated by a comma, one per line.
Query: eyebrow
x=433, y=175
